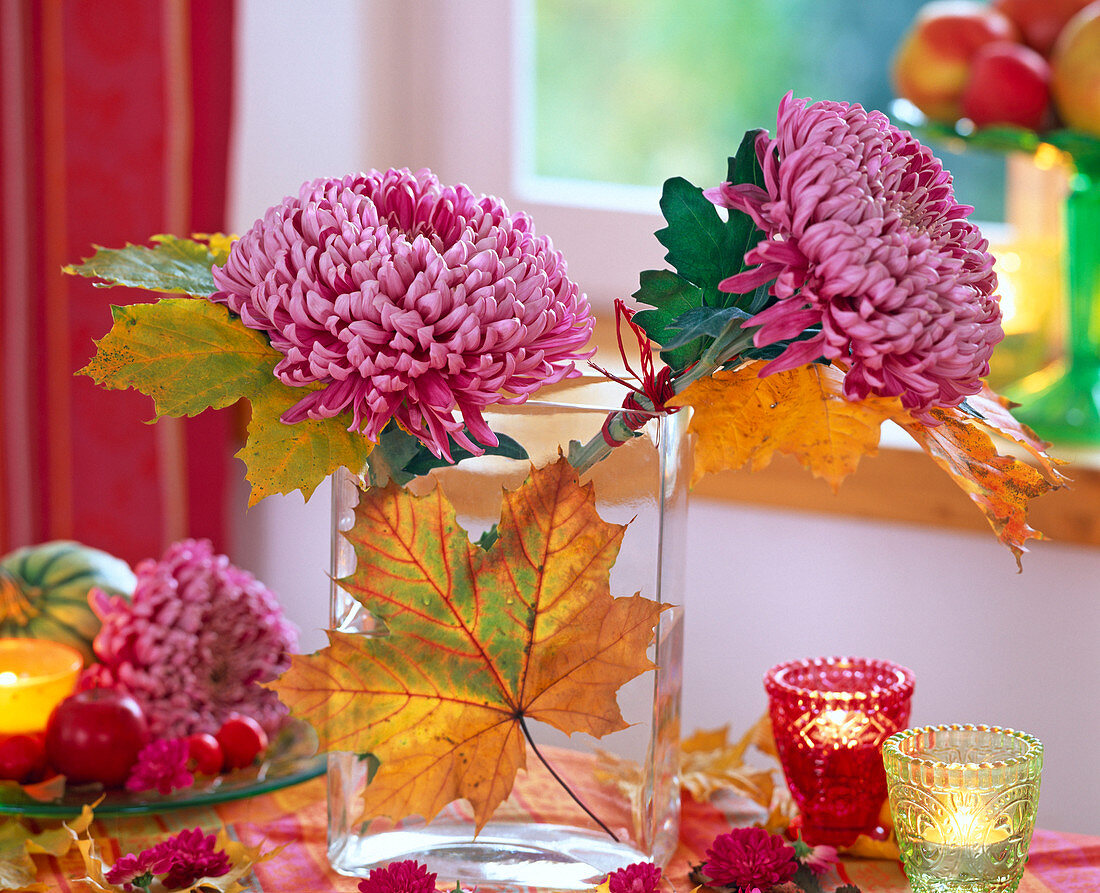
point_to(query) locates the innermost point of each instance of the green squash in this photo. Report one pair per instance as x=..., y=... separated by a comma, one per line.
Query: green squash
x=44, y=592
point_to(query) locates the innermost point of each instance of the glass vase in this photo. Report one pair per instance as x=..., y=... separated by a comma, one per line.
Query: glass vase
x=539, y=837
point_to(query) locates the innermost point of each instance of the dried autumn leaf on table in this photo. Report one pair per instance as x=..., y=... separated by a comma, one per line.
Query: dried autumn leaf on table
x=740, y=418
x=709, y=763
x=18, y=843
x=480, y=640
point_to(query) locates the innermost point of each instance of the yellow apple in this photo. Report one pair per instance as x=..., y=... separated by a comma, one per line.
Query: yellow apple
x=1075, y=71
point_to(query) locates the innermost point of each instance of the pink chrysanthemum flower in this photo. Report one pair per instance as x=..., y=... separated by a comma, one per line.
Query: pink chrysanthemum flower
x=408, y=300
x=188, y=857
x=641, y=877
x=162, y=766
x=408, y=876
x=749, y=857
x=865, y=239
x=194, y=643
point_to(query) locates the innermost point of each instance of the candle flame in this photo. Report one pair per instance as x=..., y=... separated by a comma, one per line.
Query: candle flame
x=7, y=677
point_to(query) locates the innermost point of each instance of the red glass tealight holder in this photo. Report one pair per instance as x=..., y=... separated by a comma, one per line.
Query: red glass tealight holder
x=830, y=717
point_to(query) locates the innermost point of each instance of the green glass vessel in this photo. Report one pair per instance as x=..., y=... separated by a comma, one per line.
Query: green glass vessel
x=963, y=799
x=1062, y=401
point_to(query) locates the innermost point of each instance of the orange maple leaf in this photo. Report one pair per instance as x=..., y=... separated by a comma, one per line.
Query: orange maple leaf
x=742, y=419
x=479, y=640
x=1001, y=486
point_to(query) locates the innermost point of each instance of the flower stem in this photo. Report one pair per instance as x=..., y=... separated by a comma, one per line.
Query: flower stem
x=729, y=344
x=560, y=780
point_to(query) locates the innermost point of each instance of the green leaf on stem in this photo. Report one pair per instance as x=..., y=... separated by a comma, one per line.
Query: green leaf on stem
x=187, y=354
x=181, y=266
x=281, y=457
x=424, y=461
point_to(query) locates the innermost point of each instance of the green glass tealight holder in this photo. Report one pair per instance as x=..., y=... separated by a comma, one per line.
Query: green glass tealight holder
x=963, y=800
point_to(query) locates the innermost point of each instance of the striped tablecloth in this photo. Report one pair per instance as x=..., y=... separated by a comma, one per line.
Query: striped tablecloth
x=295, y=818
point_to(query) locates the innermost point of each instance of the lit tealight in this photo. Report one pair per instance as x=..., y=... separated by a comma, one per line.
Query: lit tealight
x=35, y=675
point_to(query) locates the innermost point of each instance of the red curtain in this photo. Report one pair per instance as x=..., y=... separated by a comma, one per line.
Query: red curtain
x=114, y=126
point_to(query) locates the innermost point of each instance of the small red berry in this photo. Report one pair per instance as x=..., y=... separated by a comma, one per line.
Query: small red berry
x=204, y=754
x=242, y=740
x=22, y=758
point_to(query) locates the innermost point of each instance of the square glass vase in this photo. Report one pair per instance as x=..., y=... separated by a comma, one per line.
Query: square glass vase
x=540, y=837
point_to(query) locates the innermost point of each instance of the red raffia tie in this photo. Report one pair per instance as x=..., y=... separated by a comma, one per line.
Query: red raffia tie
x=655, y=388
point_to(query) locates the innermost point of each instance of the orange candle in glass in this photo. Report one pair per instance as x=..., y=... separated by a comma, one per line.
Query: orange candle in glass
x=35, y=675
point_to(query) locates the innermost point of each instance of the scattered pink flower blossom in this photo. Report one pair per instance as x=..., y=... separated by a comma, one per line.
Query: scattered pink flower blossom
x=408, y=300
x=162, y=766
x=188, y=857
x=819, y=859
x=182, y=859
x=864, y=238
x=194, y=643
x=408, y=876
x=133, y=870
x=746, y=857
x=641, y=877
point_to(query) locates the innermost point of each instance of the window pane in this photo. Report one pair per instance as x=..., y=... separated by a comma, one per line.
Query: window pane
x=636, y=91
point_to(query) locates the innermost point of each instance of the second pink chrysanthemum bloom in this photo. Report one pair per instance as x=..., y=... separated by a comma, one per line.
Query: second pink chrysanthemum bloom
x=409, y=300
x=864, y=238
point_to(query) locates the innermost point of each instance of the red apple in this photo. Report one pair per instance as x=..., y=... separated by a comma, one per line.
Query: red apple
x=1040, y=21
x=1009, y=84
x=932, y=63
x=96, y=735
x=1075, y=71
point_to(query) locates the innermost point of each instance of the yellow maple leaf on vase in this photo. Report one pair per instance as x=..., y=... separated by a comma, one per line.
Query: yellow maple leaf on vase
x=479, y=641
x=742, y=419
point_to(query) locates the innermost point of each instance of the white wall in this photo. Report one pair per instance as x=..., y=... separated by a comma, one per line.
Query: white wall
x=986, y=644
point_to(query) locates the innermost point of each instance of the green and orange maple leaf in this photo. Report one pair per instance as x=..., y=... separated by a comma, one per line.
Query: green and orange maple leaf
x=479, y=641
x=191, y=355
x=742, y=419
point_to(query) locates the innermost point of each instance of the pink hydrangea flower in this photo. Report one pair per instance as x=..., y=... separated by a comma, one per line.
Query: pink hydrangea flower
x=406, y=299
x=408, y=876
x=194, y=643
x=162, y=766
x=749, y=857
x=641, y=877
x=864, y=238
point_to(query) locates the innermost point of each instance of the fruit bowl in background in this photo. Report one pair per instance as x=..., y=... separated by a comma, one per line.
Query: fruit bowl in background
x=291, y=759
x=1023, y=76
